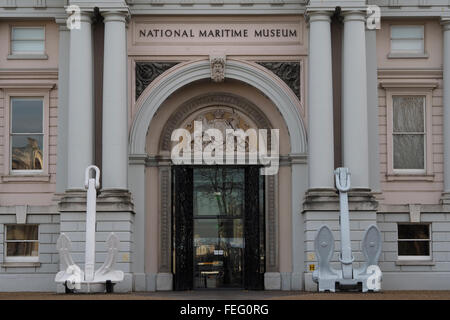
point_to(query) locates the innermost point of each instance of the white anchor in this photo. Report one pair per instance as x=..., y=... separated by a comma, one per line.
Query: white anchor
x=72, y=276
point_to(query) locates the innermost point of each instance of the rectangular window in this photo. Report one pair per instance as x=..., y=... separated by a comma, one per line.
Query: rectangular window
x=414, y=241
x=22, y=243
x=27, y=134
x=27, y=40
x=408, y=132
x=407, y=39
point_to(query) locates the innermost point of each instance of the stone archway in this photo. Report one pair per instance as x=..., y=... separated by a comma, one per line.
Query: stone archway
x=251, y=73
x=189, y=110
x=288, y=106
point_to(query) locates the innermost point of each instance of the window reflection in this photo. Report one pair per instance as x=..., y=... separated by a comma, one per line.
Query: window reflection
x=414, y=240
x=218, y=227
x=22, y=240
x=409, y=132
x=219, y=192
x=27, y=134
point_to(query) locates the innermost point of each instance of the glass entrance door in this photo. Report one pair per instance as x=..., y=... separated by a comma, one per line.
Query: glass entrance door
x=218, y=227
x=218, y=213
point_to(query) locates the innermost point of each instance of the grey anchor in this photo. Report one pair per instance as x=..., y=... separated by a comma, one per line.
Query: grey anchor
x=369, y=275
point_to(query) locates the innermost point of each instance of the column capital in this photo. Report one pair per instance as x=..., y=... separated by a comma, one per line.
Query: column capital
x=354, y=15
x=115, y=15
x=318, y=15
x=62, y=23
x=61, y=20
x=86, y=16
x=445, y=22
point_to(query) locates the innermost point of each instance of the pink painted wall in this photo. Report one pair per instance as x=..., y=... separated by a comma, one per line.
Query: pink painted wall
x=29, y=77
x=404, y=72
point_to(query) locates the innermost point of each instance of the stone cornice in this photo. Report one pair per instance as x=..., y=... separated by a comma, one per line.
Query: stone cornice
x=409, y=84
x=137, y=159
x=12, y=74
x=28, y=78
x=328, y=200
x=330, y=5
x=404, y=208
x=107, y=201
x=445, y=22
x=223, y=7
x=103, y=5
x=410, y=73
x=389, y=8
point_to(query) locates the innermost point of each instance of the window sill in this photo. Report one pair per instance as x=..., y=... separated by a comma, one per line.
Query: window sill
x=415, y=263
x=26, y=178
x=27, y=57
x=409, y=177
x=407, y=56
x=20, y=264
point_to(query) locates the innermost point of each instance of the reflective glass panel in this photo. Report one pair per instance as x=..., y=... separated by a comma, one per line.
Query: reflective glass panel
x=218, y=251
x=24, y=33
x=408, y=114
x=22, y=232
x=218, y=191
x=409, y=151
x=27, y=152
x=28, y=46
x=413, y=231
x=22, y=249
x=27, y=40
x=413, y=248
x=407, y=32
x=415, y=46
x=218, y=227
x=26, y=115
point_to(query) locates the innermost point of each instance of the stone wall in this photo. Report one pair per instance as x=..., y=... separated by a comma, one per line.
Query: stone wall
x=32, y=277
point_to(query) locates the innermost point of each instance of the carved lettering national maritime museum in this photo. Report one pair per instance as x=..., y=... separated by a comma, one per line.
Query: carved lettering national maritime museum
x=258, y=145
x=217, y=33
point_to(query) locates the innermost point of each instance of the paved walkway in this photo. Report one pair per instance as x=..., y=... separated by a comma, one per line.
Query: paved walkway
x=233, y=295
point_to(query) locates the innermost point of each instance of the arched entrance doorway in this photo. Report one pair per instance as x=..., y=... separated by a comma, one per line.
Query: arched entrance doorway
x=218, y=212
x=151, y=168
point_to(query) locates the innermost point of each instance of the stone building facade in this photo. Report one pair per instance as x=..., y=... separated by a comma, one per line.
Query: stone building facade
x=342, y=91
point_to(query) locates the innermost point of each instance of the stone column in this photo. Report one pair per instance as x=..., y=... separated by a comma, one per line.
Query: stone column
x=322, y=207
x=372, y=111
x=320, y=145
x=320, y=111
x=446, y=105
x=80, y=133
x=80, y=140
x=63, y=99
x=115, y=115
x=354, y=107
x=115, y=200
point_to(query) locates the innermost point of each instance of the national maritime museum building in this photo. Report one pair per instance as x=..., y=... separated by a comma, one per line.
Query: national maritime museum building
x=312, y=86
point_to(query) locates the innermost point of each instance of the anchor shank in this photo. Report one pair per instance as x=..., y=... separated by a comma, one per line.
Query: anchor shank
x=89, y=266
x=346, y=249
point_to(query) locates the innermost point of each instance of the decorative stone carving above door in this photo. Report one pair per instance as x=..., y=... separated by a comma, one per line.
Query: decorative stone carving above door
x=289, y=72
x=146, y=72
x=216, y=109
x=221, y=118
